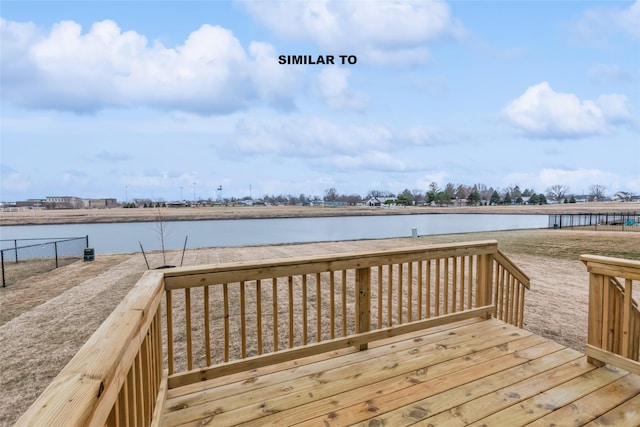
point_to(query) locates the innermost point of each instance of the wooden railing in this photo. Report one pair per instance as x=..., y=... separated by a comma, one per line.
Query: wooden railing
x=233, y=317
x=221, y=317
x=614, y=319
x=116, y=378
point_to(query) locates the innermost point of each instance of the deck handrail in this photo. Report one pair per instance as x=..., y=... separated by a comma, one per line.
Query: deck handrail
x=116, y=376
x=613, y=334
x=372, y=289
x=122, y=374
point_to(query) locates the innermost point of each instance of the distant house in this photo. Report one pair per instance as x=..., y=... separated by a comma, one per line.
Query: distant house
x=622, y=196
x=379, y=201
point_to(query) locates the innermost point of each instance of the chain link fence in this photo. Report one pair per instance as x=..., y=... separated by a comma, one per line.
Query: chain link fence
x=21, y=258
x=624, y=221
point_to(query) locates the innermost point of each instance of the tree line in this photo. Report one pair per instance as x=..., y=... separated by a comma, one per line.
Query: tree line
x=450, y=194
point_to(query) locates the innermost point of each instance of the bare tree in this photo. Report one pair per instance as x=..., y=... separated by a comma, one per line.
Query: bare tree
x=597, y=192
x=557, y=191
x=330, y=195
x=161, y=231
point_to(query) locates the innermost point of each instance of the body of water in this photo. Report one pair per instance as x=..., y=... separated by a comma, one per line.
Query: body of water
x=125, y=237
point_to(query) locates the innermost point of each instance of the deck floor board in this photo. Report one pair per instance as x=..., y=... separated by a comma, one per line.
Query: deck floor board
x=481, y=372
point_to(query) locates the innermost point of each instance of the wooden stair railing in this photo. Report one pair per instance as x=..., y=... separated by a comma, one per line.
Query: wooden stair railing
x=613, y=334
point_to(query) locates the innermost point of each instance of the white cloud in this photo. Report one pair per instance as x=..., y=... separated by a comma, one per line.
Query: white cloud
x=439, y=177
x=595, y=26
x=578, y=180
x=308, y=137
x=389, y=32
x=370, y=160
x=332, y=85
x=541, y=112
x=12, y=180
x=603, y=73
x=107, y=67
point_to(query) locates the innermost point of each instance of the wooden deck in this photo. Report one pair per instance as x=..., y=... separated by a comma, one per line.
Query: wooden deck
x=427, y=335
x=472, y=372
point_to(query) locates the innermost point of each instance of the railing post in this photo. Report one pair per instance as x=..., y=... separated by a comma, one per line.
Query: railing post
x=484, y=293
x=363, y=302
x=594, y=320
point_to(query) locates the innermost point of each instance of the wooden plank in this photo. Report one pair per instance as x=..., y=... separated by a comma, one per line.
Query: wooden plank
x=207, y=326
x=465, y=327
x=595, y=313
x=389, y=295
x=626, y=414
x=363, y=302
x=258, y=316
x=554, y=398
x=344, y=303
x=446, y=285
x=274, y=293
x=510, y=394
x=400, y=292
x=291, y=320
x=410, y=292
x=627, y=309
x=159, y=405
x=380, y=282
x=428, y=290
x=187, y=315
x=420, y=281
x=315, y=348
x=304, y=303
x=245, y=271
x=592, y=405
x=615, y=267
x=169, y=308
x=318, y=309
x=614, y=359
x=289, y=391
x=225, y=298
x=392, y=396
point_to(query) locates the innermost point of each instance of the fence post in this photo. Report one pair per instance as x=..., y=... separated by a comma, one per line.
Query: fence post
x=55, y=247
x=87, y=240
x=4, y=283
x=363, y=302
x=15, y=248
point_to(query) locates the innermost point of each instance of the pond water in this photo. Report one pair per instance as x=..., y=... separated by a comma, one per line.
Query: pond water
x=126, y=237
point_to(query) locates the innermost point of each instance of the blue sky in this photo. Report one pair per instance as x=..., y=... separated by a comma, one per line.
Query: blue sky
x=153, y=99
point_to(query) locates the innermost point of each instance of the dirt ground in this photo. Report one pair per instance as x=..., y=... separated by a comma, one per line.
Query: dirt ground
x=46, y=318
x=79, y=216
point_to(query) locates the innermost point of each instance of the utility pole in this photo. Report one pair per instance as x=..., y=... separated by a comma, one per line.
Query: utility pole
x=194, y=194
x=250, y=196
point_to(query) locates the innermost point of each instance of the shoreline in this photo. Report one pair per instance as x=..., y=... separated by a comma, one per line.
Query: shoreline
x=119, y=215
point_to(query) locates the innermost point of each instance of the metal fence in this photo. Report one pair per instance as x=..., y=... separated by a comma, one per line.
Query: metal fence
x=625, y=221
x=22, y=258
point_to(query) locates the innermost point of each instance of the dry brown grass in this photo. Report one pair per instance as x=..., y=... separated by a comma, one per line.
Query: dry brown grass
x=82, y=216
x=51, y=315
